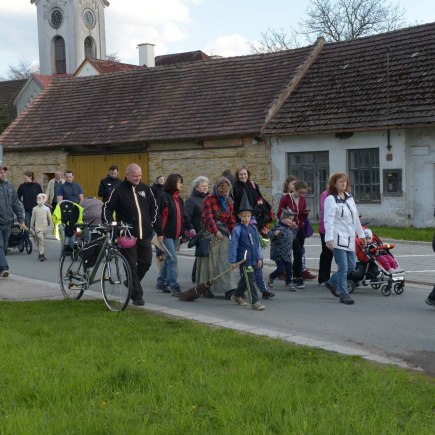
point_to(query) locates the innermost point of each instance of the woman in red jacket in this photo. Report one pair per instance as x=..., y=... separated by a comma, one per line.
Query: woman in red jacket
x=297, y=203
x=171, y=211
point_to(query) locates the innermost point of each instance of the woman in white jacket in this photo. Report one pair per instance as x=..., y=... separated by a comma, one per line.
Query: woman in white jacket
x=341, y=223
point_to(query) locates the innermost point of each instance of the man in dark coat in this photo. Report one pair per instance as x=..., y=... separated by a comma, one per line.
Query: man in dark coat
x=134, y=204
x=9, y=205
x=108, y=184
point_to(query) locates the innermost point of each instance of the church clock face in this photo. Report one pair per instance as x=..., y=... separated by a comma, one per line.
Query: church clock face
x=89, y=19
x=56, y=18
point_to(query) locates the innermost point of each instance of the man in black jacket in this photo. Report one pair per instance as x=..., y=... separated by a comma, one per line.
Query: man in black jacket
x=9, y=205
x=134, y=204
x=108, y=184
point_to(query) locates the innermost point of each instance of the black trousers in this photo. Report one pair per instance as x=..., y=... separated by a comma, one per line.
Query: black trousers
x=139, y=258
x=298, y=245
x=326, y=257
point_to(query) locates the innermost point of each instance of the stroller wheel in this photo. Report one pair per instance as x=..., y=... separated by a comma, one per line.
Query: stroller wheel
x=376, y=286
x=386, y=290
x=21, y=246
x=399, y=287
x=350, y=286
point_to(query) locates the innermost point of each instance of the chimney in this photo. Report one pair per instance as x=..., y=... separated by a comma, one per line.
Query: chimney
x=146, y=55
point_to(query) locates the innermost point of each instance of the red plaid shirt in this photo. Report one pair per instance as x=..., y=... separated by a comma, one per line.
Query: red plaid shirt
x=211, y=211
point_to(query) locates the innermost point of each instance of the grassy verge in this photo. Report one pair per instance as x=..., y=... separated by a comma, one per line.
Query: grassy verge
x=71, y=368
x=384, y=232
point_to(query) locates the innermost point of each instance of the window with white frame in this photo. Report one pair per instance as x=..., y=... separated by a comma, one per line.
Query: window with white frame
x=364, y=173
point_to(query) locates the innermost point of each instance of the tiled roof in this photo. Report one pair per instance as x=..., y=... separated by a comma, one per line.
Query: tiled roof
x=217, y=98
x=8, y=91
x=188, y=56
x=381, y=81
x=109, y=66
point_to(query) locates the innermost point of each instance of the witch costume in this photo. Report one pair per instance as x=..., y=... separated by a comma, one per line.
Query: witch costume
x=217, y=216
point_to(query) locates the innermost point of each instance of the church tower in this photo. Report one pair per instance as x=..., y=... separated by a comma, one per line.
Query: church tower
x=68, y=32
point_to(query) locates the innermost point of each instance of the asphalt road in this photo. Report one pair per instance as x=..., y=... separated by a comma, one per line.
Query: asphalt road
x=397, y=326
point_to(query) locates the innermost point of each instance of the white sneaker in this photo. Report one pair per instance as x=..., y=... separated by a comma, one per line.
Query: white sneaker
x=258, y=306
x=398, y=270
x=238, y=300
x=391, y=271
x=5, y=274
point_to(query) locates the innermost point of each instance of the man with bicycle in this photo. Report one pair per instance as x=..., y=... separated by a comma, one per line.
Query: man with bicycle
x=134, y=204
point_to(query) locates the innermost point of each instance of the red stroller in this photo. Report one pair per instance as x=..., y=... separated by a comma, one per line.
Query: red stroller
x=369, y=270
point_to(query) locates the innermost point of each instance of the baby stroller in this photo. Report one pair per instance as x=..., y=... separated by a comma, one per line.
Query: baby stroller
x=369, y=272
x=20, y=239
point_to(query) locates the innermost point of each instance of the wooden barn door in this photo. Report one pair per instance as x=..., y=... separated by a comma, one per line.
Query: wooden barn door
x=90, y=169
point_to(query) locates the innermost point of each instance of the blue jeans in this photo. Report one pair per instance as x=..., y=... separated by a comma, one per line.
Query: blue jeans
x=346, y=262
x=5, y=231
x=259, y=279
x=168, y=271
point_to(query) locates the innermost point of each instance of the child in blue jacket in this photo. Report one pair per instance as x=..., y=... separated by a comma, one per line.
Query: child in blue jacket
x=245, y=240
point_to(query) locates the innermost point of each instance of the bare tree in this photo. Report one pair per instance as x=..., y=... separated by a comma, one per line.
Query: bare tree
x=21, y=71
x=275, y=40
x=349, y=19
x=113, y=57
x=335, y=20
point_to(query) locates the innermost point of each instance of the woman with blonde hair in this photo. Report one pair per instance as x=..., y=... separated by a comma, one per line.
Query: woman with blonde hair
x=341, y=221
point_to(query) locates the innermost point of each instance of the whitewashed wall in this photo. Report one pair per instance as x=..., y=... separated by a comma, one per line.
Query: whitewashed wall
x=415, y=147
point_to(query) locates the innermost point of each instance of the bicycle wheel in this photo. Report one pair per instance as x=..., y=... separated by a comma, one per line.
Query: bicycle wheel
x=72, y=277
x=116, y=282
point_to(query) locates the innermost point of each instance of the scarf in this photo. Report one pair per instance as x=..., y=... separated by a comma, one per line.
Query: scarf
x=222, y=199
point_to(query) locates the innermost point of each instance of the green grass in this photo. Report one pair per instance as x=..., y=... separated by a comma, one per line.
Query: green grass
x=384, y=232
x=75, y=368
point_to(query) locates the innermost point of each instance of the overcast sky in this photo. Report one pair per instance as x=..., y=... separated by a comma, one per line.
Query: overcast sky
x=221, y=27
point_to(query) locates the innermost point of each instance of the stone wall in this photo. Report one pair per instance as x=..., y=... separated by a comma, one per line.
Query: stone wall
x=210, y=159
x=40, y=162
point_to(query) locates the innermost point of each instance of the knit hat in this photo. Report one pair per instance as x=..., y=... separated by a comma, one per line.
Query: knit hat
x=244, y=203
x=368, y=233
x=287, y=213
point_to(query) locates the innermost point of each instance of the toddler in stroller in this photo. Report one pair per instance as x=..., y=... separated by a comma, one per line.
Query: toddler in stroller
x=19, y=238
x=376, y=266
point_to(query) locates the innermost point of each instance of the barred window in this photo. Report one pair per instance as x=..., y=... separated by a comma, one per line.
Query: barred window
x=364, y=174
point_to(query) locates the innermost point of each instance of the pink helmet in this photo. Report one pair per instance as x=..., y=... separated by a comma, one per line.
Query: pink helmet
x=126, y=241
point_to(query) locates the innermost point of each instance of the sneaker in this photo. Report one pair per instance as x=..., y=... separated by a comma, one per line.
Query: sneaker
x=238, y=300
x=267, y=295
x=290, y=287
x=163, y=288
x=138, y=302
x=41, y=257
x=391, y=271
x=270, y=281
x=430, y=301
x=347, y=300
x=332, y=289
x=5, y=273
x=299, y=282
x=398, y=270
x=257, y=306
x=176, y=291
x=306, y=274
x=208, y=294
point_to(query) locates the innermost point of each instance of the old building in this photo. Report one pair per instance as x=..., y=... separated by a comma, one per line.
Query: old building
x=192, y=118
x=366, y=107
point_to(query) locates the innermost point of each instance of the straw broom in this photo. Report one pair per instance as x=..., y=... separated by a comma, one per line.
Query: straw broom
x=196, y=292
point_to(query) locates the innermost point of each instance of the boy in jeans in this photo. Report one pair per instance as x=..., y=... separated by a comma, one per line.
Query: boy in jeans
x=245, y=240
x=282, y=236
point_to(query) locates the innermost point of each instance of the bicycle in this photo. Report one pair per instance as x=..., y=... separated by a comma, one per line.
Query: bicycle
x=77, y=273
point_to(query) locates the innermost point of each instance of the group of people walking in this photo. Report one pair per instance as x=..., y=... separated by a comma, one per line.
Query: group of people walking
x=228, y=222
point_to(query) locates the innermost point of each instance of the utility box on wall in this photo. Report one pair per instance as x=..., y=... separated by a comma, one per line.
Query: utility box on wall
x=393, y=182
